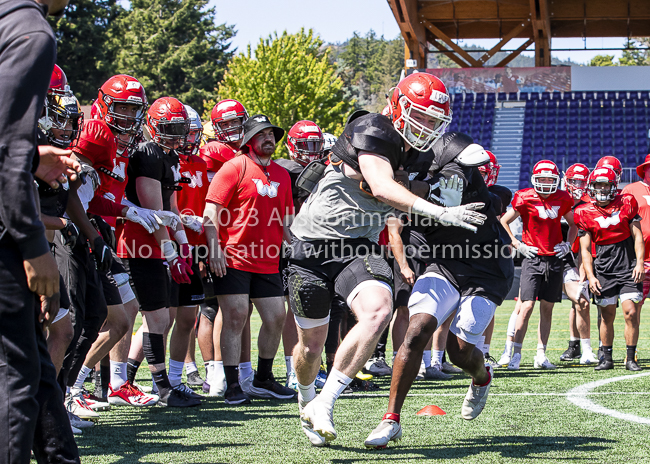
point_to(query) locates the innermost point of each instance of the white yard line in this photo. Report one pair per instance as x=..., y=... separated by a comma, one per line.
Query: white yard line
x=578, y=396
x=359, y=394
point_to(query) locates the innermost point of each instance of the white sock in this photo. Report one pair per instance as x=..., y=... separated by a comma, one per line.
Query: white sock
x=541, y=350
x=336, y=382
x=573, y=339
x=508, y=349
x=245, y=370
x=480, y=343
x=426, y=357
x=190, y=367
x=585, y=344
x=81, y=377
x=306, y=393
x=218, y=374
x=485, y=348
x=511, y=324
x=288, y=360
x=118, y=374
x=175, y=372
x=436, y=357
x=208, y=369
x=516, y=347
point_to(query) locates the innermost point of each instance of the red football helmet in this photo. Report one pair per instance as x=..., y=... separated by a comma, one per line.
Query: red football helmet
x=167, y=123
x=305, y=142
x=62, y=117
x=575, y=180
x=613, y=163
x=122, y=89
x=196, y=132
x=420, y=110
x=545, y=169
x=603, y=175
x=490, y=170
x=226, y=113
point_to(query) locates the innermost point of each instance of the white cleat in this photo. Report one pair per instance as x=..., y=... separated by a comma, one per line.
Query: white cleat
x=588, y=357
x=513, y=365
x=319, y=416
x=476, y=398
x=543, y=363
x=504, y=360
x=315, y=438
x=388, y=430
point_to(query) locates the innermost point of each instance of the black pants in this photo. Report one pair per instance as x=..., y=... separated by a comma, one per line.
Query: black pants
x=31, y=411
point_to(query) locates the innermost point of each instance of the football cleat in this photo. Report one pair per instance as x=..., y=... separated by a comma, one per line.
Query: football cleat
x=194, y=379
x=475, y=399
x=319, y=416
x=513, y=365
x=177, y=398
x=235, y=396
x=361, y=376
x=449, y=368
x=143, y=388
x=631, y=365
x=377, y=367
x=604, y=365
x=76, y=404
x=434, y=372
x=572, y=353
x=96, y=403
x=181, y=387
x=504, y=360
x=315, y=438
x=588, y=357
x=543, y=363
x=388, y=430
x=490, y=361
x=77, y=422
x=270, y=388
x=292, y=381
x=129, y=395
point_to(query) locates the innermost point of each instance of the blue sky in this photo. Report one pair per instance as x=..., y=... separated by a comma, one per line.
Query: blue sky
x=337, y=20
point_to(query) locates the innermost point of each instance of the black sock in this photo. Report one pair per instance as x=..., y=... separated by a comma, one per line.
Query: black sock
x=232, y=375
x=131, y=369
x=607, y=351
x=264, y=369
x=631, y=352
x=153, y=345
x=444, y=356
x=105, y=379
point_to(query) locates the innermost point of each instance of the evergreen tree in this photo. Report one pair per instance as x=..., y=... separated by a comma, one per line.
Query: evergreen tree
x=289, y=78
x=174, y=48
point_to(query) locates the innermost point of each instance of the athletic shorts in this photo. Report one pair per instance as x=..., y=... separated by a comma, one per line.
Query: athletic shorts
x=64, y=302
x=403, y=289
x=188, y=294
x=541, y=278
x=433, y=294
x=625, y=291
x=237, y=282
x=319, y=269
x=151, y=282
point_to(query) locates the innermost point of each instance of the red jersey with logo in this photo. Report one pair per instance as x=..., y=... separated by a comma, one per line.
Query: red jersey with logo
x=609, y=224
x=251, y=225
x=215, y=154
x=191, y=199
x=542, y=218
x=641, y=193
x=112, y=189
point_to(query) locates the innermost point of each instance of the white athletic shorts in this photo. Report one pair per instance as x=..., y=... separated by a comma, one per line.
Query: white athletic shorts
x=435, y=295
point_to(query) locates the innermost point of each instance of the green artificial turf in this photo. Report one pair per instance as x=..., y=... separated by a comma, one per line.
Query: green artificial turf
x=527, y=419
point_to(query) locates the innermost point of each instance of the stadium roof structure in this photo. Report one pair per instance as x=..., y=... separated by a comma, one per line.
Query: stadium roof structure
x=439, y=22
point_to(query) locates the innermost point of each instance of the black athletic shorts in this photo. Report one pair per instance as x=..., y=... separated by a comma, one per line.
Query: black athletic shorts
x=237, y=282
x=111, y=289
x=318, y=269
x=188, y=294
x=541, y=278
x=403, y=289
x=64, y=300
x=151, y=282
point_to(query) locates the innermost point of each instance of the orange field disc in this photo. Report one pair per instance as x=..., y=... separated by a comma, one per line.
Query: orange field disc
x=431, y=410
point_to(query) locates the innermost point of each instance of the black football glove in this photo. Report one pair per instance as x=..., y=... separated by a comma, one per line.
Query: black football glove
x=69, y=234
x=105, y=231
x=102, y=254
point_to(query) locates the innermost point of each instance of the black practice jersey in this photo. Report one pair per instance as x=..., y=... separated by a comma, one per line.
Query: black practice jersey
x=149, y=160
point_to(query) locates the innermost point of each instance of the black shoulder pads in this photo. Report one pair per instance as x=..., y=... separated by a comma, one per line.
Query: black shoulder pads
x=449, y=146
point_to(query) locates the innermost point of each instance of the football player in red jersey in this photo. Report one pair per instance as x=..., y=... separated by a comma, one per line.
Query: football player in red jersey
x=541, y=209
x=227, y=119
x=575, y=285
x=612, y=222
x=154, y=175
x=613, y=163
x=640, y=190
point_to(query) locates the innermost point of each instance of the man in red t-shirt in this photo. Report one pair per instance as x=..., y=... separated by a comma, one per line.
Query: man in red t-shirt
x=641, y=192
x=541, y=209
x=612, y=222
x=248, y=210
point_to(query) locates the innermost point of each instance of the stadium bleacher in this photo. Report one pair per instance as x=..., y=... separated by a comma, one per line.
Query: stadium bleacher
x=565, y=127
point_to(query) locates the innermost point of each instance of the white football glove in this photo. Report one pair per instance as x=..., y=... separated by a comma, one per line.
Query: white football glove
x=562, y=249
x=528, y=251
x=194, y=223
x=460, y=216
x=167, y=218
x=451, y=191
x=145, y=217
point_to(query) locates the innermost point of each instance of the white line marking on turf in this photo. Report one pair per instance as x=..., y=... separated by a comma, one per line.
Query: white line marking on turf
x=578, y=396
x=358, y=394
